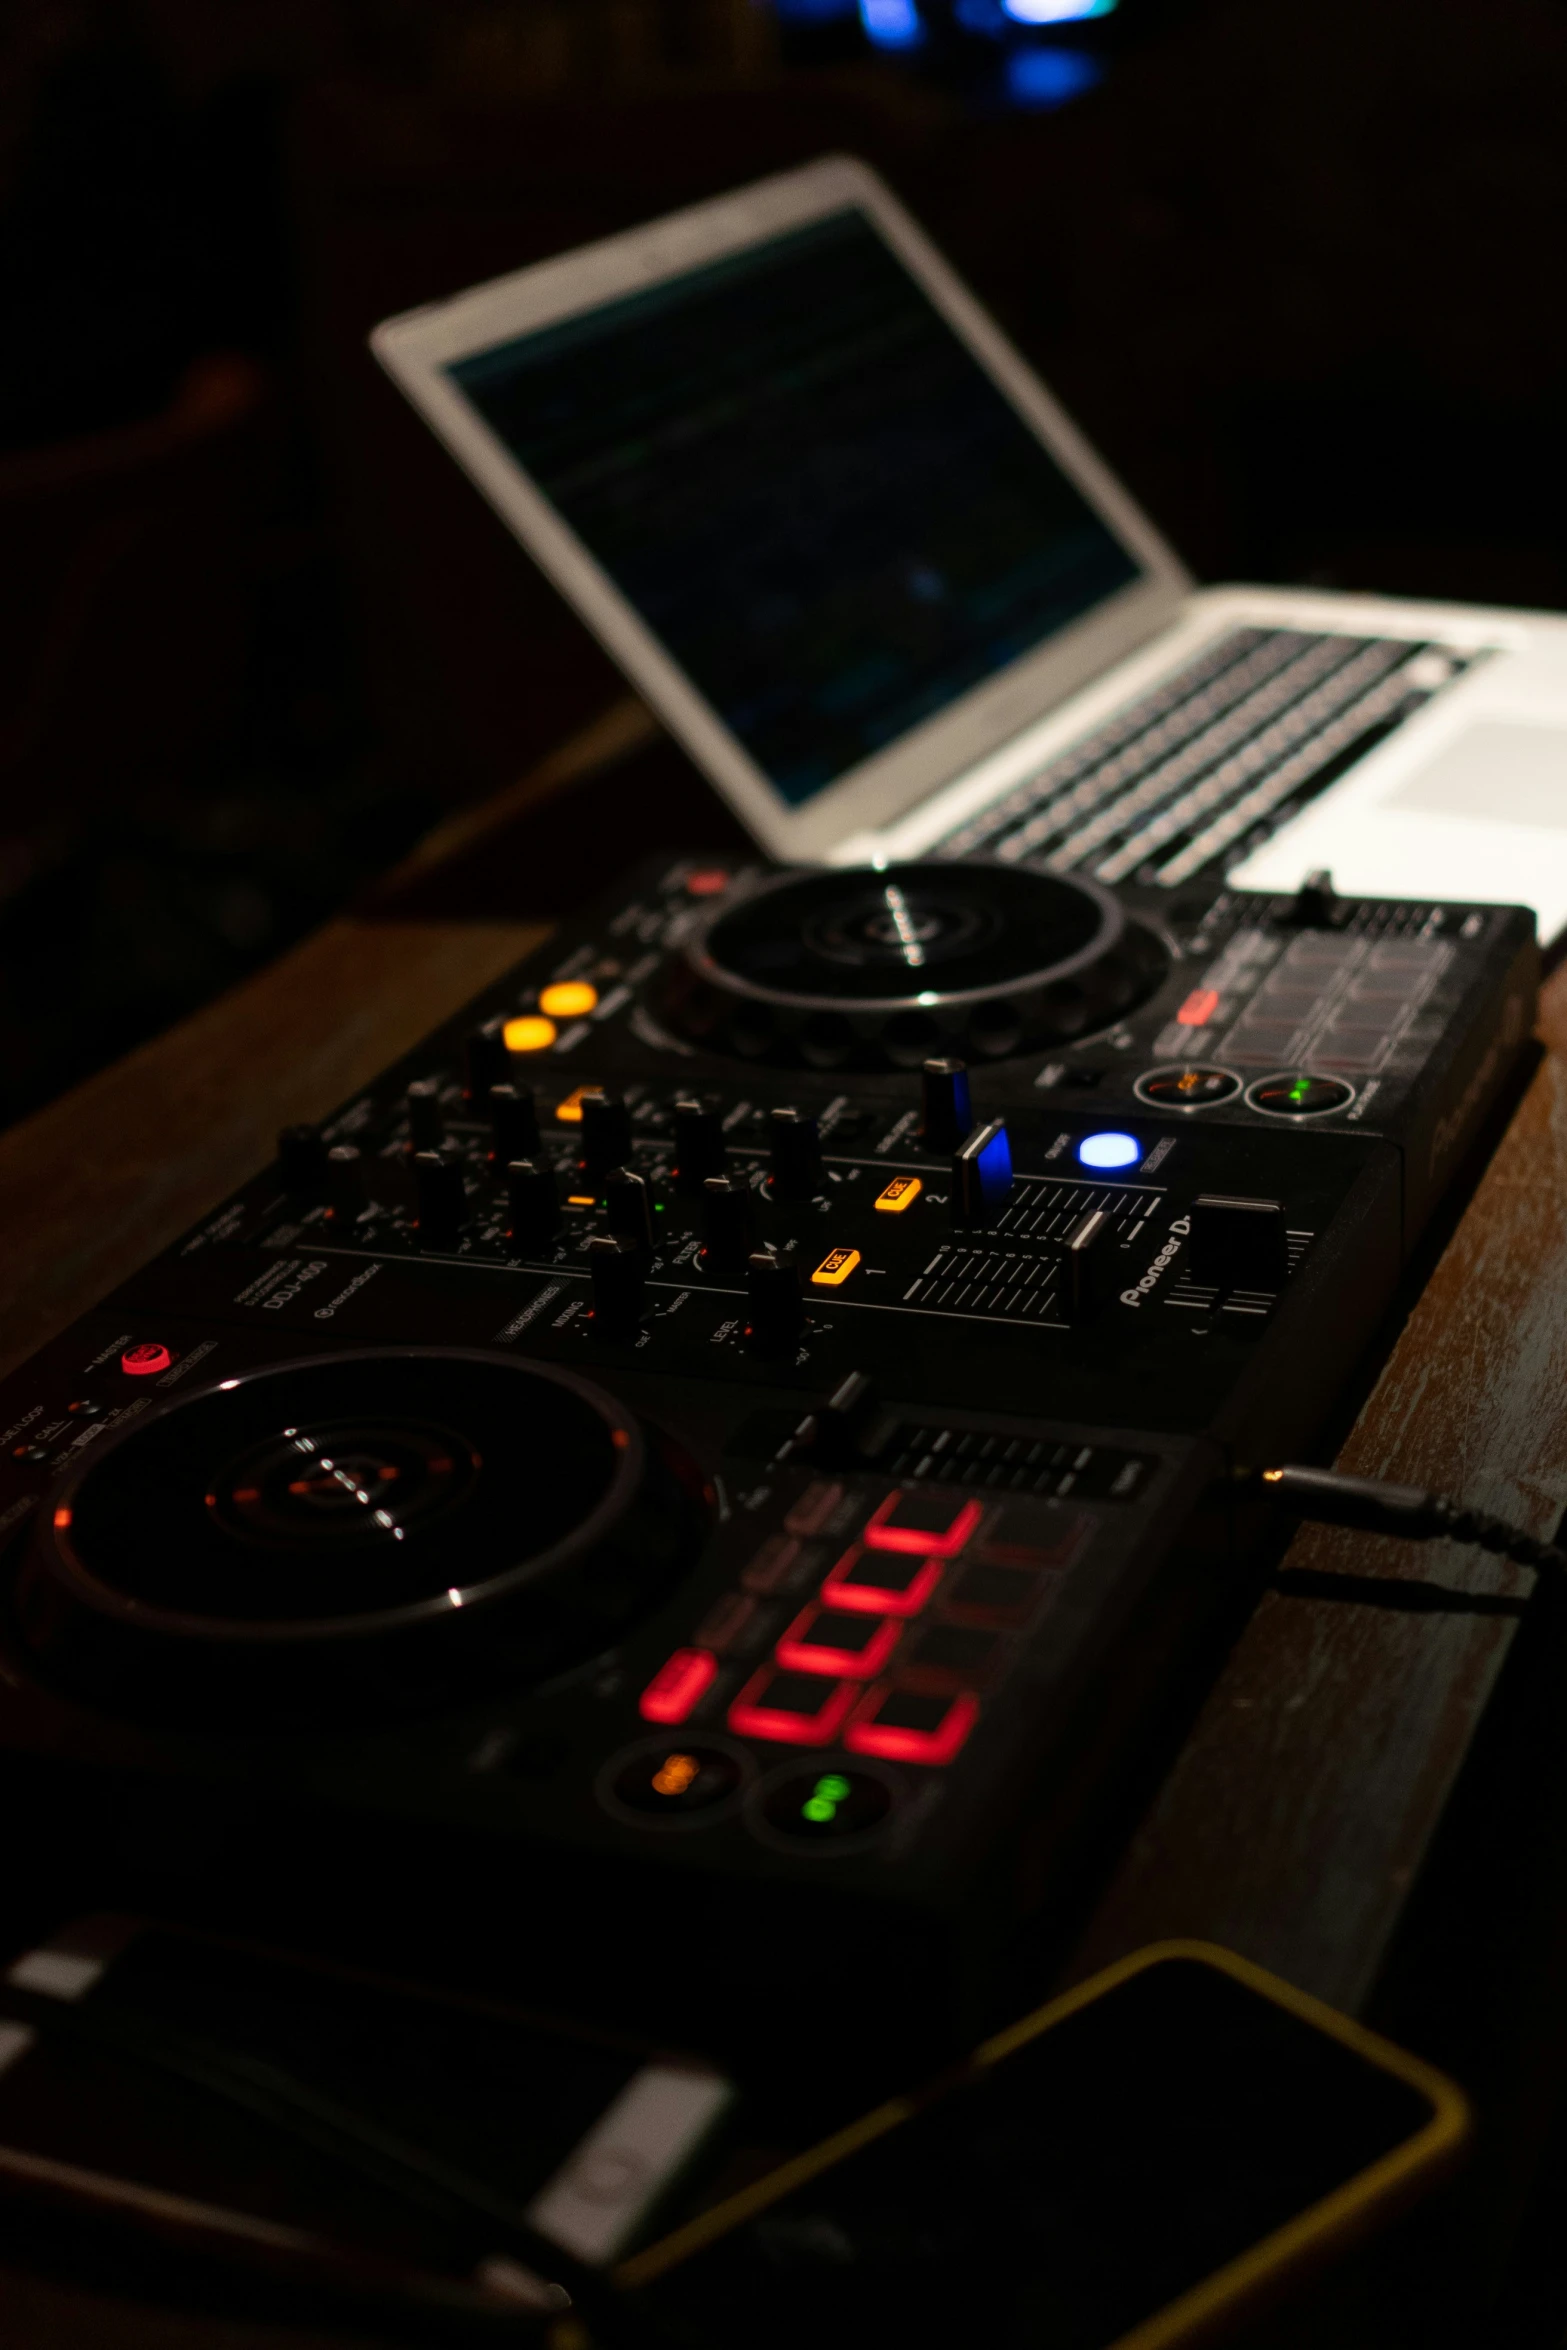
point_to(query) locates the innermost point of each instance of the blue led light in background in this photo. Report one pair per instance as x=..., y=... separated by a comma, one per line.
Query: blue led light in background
x=1057, y=11
x=1042, y=78
x=1106, y=1151
x=813, y=11
x=892, y=24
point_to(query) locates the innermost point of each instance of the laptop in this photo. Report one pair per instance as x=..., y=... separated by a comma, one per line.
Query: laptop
x=868, y=572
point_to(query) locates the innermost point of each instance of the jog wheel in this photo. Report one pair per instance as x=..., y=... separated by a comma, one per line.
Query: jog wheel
x=886, y=966
x=358, y=1532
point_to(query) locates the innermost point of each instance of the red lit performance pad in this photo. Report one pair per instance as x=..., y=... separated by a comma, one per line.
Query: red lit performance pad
x=831, y=1640
x=912, y=1725
x=886, y=1583
x=798, y=1709
x=676, y=1686
x=936, y=1525
x=954, y=1656
x=1003, y=1597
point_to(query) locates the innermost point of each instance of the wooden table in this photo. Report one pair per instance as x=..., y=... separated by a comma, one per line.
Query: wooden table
x=1297, y=1817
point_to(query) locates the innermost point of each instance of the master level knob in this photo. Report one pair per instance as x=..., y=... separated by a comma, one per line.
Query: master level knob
x=606, y=1131
x=772, y=1289
x=797, y=1154
x=345, y=1182
x=728, y=1222
x=982, y=1176
x=485, y=1060
x=699, y=1145
x=532, y=1204
x=630, y=1210
x=426, y=1126
x=514, y=1123
x=619, y=1273
x=442, y=1201
x=1239, y=1243
x=301, y=1158
x=948, y=1112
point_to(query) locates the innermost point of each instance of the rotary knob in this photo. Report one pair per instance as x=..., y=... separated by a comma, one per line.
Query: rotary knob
x=606, y=1132
x=629, y=1208
x=514, y=1124
x=442, y=1199
x=949, y=1117
x=699, y=1145
x=532, y=1204
x=347, y=1196
x=618, y=1270
x=796, y=1155
x=426, y=1125
x=485, y=1061
x=728, y=1223
x=301, y=1157
x=773, y=1300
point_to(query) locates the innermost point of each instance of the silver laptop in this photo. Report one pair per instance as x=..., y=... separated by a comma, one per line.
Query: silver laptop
x=846, y=544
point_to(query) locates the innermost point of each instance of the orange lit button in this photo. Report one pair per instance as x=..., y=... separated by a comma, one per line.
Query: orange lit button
x=879, y=1583
x=528, y=1034
x=835, y=1268
x=900, y=1193
x=910, y=1725
x=568, y=999
x=140, y=1362
x=569, y=1112
x=676, y=1686
x=851, y=1646
x=1199, y=1007
x=796, y=1709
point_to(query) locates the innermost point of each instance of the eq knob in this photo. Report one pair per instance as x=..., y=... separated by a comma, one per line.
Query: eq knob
x=301, y=1158
x=982, y=1177
x=618, y=1269
x=629, y=1208
x=1239, y=1243
x=796, y=1155
x=774, y=1309
x=485, y=1061
x=699, y=1145
x=442, y=1201
x=606, y=1132
x=532, y=1204
x=346, y=1194
x=426, y=1126
x=949, y=1115
x=514, y=1124
x=728, y=1223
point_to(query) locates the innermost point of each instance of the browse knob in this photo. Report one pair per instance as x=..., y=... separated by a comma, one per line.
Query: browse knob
x=441, y=1198
x=426, y=1126
x=982, y=1176
x=606, y=1131
x=699, y=1145
x=772, y=1288
x=948, y=1112
x=485, y=1061
x=532, y=1204
x=619, y=1273
x=797, y=1155
x=301, y=1158
x=514, y=1123
x=728, y=1223
x=345, y=1182
x=629, y=1207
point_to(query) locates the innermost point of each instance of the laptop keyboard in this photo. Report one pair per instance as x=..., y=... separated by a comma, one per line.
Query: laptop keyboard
x=1196, y=774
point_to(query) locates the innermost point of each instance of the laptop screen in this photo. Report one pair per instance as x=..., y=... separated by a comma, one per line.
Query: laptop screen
x=795, y=472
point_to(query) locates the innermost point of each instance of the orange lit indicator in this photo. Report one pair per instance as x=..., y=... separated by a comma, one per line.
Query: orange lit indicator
x=676, y=1686
x=708, y=883
x=528, y=1034
x=900, y=1193
x=569, y=1112
x=675, y=1774
x=62, y=1518
x=581, y=1199
x=835, y=1268
x=1199, y=1007
x=568, y=999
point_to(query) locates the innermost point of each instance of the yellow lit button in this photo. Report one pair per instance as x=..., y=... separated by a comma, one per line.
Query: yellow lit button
x=529, y=1034
x=568, y=999
x=581, y=1199
x=900, y=1193
x=835, y=1268
x=569, y=1112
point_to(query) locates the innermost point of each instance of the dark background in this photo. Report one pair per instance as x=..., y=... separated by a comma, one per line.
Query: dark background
x=1295, y=268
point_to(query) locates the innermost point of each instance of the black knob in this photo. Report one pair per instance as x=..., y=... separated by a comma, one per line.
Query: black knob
x=1087, y=1271
x=532, y=1204
x=774, y=1308
x=797, y=1154
x=850, y=1429
x=301, y=1158
x=699, y=1145
x=728, y=1223
x=1239, y=1243
x=619, y=1272
x=1314, y=903
x=485, y=1061
x=345, y=1182
x=514, y=1122
x=606, y=1132
x=982, y=1176
x=426, y=1126
x=442, y=1201
x=948, y=1112
x=630, y=1209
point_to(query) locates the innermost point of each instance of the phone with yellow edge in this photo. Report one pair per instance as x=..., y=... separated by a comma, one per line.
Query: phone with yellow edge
x=1129, y=2168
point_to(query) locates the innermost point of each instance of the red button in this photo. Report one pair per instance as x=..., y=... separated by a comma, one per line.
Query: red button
x=1199, y=1007
x=708, y=883
x=795, y=1708
x=676, y=1686
x=907, y=1725
x=139, y=1362
x=891, y=1584
x=832, y=1640
x=936, y=1525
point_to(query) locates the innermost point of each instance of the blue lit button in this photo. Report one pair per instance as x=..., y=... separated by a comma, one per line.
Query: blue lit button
x=1105, y=1151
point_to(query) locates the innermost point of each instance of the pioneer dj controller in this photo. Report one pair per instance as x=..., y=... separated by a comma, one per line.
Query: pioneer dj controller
x=747, y=1408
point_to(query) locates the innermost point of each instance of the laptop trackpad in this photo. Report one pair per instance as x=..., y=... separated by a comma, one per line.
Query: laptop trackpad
x=1496, y=771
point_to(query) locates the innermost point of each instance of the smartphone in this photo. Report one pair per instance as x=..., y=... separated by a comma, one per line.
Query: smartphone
x=1126, y=2169
x=359, y=2133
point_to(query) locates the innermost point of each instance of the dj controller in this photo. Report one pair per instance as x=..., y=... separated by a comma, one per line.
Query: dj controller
x=729, y=1439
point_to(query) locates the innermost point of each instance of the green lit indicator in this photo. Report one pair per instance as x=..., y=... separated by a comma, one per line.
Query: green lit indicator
x=817, y=1808
x=833, y=1788
x=1300, y=1089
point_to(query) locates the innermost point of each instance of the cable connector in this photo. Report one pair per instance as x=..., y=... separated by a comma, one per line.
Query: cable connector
x=1329, y=1498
